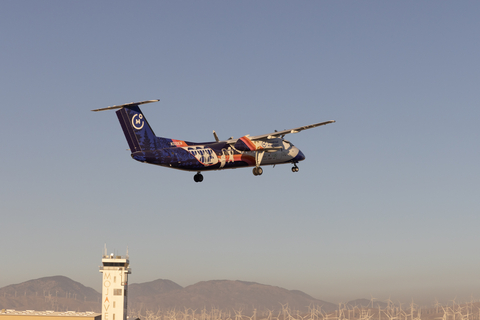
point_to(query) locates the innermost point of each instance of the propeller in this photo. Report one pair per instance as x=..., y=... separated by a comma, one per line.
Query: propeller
x=216, y=137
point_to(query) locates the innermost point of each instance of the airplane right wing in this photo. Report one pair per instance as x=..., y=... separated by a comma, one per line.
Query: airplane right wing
x=295, y=130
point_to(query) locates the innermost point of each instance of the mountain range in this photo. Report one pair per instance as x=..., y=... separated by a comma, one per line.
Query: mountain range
x=60, y=293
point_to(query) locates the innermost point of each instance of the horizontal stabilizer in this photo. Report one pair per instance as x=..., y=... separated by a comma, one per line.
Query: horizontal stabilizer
x=126, y=105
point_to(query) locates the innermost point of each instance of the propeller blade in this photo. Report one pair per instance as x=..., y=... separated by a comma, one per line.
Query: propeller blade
x=215, y=135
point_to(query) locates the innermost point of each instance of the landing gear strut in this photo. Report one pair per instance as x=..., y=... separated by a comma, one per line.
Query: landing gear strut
x=198, y=177
x=295, y=168
x=257, y=171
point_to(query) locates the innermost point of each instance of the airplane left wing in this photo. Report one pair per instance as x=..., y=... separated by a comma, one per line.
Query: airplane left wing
x=284, y=132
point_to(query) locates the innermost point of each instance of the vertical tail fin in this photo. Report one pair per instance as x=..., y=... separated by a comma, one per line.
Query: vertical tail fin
x=139, y=134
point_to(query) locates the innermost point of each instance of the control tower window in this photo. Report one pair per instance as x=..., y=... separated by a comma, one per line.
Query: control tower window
x=114, y=264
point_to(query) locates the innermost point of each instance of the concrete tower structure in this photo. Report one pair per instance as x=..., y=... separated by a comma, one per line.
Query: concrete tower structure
x=115, y=271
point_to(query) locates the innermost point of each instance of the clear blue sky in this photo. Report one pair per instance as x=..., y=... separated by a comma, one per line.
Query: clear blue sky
x=386, y=203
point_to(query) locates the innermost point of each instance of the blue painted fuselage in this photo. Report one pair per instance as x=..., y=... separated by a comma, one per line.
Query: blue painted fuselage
x=184, y=155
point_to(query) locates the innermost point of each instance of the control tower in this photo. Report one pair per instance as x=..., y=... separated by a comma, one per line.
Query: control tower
x=115, y=271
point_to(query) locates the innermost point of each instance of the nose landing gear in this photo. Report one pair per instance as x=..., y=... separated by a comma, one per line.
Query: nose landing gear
x=257, y=171
x=295, y=168
x=198, y=177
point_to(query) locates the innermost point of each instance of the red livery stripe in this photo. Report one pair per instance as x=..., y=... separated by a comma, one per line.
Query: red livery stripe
x=179, y=143
x=249, y=143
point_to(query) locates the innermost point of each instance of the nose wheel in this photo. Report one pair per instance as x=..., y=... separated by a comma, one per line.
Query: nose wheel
x=257, y=171
x=198, y=177
x=295, y=168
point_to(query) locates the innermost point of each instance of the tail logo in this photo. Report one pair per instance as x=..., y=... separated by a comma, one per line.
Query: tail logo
x=137, y=121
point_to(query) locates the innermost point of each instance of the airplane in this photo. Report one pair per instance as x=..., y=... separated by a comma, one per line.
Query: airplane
x=247, y=151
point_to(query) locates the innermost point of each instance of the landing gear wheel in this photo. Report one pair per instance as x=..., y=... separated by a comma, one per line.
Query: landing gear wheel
x=295, y=168
x=198, y=177
x=257, y=171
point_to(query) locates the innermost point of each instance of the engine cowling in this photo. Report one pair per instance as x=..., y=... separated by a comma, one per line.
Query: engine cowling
x=245, y=144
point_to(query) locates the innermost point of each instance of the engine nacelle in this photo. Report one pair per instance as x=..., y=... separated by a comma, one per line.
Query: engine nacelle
x=245, y=144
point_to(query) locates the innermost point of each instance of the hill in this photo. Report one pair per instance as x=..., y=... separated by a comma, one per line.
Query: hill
x=61, y=293
x=225, y=295
x=56, y=293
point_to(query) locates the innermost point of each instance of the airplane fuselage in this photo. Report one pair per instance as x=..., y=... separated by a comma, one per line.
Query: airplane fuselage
x=246, y=151
x=218, y=155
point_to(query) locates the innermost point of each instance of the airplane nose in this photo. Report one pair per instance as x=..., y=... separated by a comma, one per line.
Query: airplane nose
x=300, y=156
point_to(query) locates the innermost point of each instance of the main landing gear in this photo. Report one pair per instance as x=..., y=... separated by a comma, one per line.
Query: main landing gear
x=257, y=171
x=198, y=177
x=295, y=168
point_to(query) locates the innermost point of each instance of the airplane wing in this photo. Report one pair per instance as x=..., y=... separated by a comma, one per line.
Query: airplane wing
x=284, y=132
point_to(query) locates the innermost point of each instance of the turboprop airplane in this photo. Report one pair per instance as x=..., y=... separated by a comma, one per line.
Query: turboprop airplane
x=247, y=151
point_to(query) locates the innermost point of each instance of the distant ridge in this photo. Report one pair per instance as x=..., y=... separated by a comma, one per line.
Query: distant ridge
x=60, y=293
x=56, y=293
x=221, y=294
x=153, y=288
